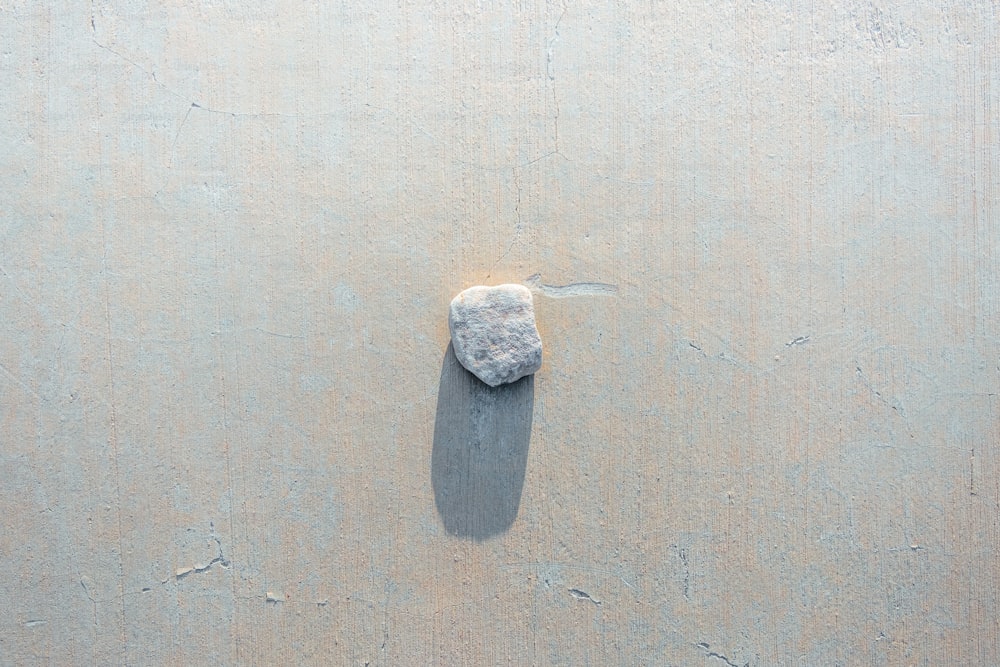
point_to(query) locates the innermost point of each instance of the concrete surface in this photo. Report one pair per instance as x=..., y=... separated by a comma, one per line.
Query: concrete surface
x=765, y=429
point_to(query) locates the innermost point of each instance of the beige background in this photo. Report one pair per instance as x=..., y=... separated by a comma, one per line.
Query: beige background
x=229, y=233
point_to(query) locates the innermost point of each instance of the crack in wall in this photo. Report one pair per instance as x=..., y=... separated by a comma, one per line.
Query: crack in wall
x=709, y=653
x=583, y=595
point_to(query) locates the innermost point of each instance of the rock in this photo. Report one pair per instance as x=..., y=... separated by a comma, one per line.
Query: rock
x=493, y=333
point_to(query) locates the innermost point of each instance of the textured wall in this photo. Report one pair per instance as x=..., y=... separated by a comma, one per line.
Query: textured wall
x=766, y=427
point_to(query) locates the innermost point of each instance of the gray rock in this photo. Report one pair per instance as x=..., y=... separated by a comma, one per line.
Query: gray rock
x=493, y=333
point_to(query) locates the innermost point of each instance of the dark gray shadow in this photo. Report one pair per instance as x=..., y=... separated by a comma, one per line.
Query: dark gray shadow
x=481, y=436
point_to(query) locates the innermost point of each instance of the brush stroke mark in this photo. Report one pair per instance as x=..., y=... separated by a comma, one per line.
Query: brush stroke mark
x=535, y=284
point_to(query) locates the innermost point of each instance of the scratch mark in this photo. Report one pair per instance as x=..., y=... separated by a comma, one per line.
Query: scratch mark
x=150, y=73
x=625, y=181
x=536, y=565
x=24, y=297
x=550, y=73
x=801, y=340
x=972, y=473
x=864, y=381
x=173, y=146
x=21, y=383
x=494, y=169
x=534, y=282
x=194, y=105
x=895, y=406
x=583, y=595
x=517, y=226
x=275, y=333
x=683, y=555
x=87, y=583
x=709, y=653
x=35, y=622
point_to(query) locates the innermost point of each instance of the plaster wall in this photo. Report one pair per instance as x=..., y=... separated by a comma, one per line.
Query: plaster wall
x=763, y=239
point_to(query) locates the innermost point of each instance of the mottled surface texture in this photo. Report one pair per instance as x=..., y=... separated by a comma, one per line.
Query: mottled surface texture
x=764, y=243
x=494, y=334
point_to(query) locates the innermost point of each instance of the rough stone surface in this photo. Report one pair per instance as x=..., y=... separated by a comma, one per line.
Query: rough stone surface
x=493, y=332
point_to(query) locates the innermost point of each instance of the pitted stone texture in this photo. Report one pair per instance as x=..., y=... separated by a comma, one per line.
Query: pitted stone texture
x=493, y=333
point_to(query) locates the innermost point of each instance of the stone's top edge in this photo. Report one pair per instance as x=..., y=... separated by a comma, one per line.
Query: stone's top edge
x=482, y=290
x=504, y=286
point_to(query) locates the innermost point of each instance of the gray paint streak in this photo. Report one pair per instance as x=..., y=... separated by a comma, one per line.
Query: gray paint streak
x=228, y=238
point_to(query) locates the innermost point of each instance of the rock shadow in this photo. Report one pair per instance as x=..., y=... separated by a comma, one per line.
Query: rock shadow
x=481, y=436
